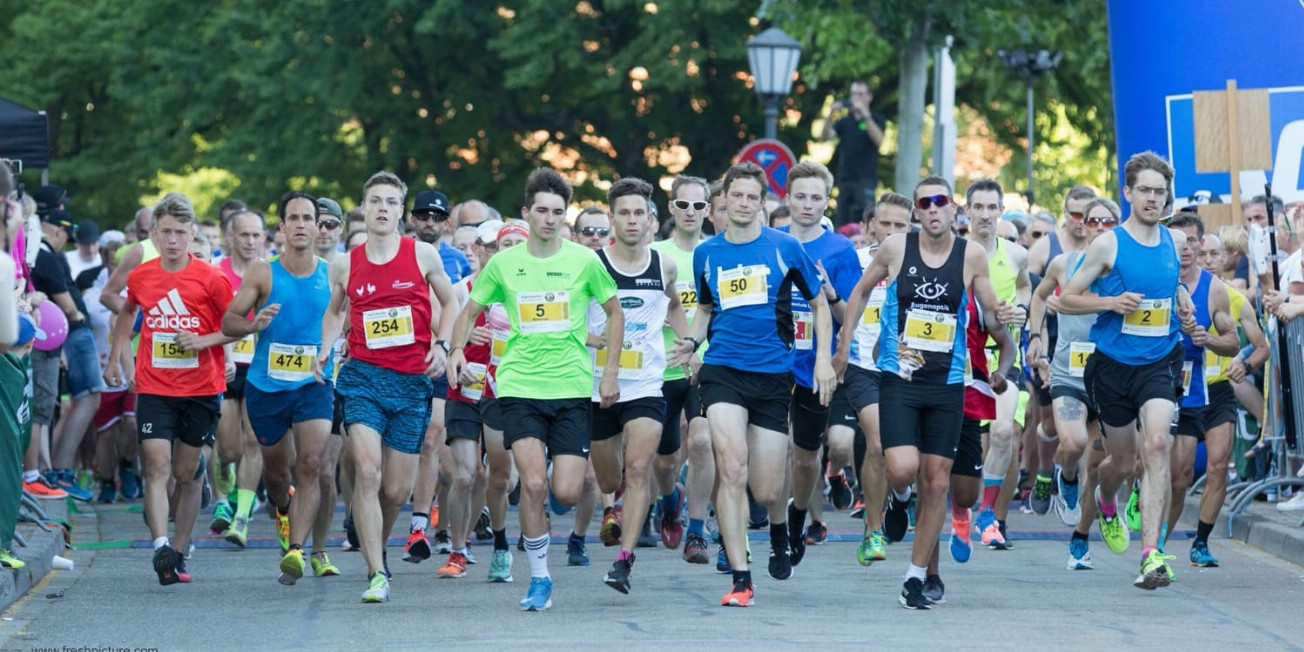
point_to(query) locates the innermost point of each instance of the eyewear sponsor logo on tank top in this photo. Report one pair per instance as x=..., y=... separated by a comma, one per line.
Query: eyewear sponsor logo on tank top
x=929, y=290
x=170, y=313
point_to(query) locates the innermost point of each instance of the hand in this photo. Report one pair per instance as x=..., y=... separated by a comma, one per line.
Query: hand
x=435, y=360
x=229, y=371
x=1043, y=370
x=998, y=383
x=1126, y=302
x=1236, y=371
x=1272, y=300
x=598, y=341
x=481, y=335
x=839, y=364
x=826, y=381
x=36, y=299
x=188, y=341
x=1007, y=313
x=112, y=373
x=682, y=353
x=265, y=317
x=1286, y=311
x=1036, y=349
x=456, y=367
x=694, y=366
x=609, y=390
x=826, y=289
x=1053, y=304
x=1199, y=336
x=1187, y=316
x=319, y=369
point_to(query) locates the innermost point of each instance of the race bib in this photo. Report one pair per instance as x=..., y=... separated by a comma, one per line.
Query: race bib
x=544, y=312
x=168, y=355
x=687, y=291
x=291, y=362
x=744, y=286
x=631, y=361
x=804, y=330
x=243, y=351
x=1079, y=353
x=930, y=331
x=388, y=327
x=873, y=315
x=1212, y=365
x=1187, y=367
x=498, y=346
x=473, y=391
x=1149, y=320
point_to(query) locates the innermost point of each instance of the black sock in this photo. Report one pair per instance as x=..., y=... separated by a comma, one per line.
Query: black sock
x=296, y=546
x=1202, y=531
x=779, y=537
x=500, y=539
x=742, y=576
x=1066, y=480
x=797, y=517
x=576, y=536
x=1079, y=536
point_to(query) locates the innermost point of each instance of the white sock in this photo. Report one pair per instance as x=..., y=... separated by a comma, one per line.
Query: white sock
x=916, y=572
x=31, y=475
x=420, y=522
x=901, y=497
x=160, y=542
x=460, y=551
x=536, y=549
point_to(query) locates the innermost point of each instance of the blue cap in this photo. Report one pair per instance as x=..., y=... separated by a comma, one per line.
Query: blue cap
x=26, y=329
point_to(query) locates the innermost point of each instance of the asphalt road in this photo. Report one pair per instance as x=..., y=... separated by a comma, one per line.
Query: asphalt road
x=1011, y=599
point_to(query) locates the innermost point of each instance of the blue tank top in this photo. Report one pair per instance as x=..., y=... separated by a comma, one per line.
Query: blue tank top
x=924, y=318
x=1196, y=393
x=288, y=348
x=1149, y=333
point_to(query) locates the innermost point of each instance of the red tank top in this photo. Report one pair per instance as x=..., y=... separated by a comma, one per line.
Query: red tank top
x=389, y=310
x=979, y=401
x=242, y=353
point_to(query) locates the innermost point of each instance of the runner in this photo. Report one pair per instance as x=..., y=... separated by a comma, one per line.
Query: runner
x=545, y=378
x=922, y=359
x=177, y=376
x=329, y=227
x=281, y=394
x=744, y=277
x=688, y=208
x=628, y=434
x=386, y=382
x=1134, y=377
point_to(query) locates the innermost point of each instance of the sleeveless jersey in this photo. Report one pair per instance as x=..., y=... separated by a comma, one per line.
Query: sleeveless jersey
x=868, y=329
x=1074, y=345
x=1005, y=283
x=288, y=348
x=1195, y=390
x=1215, y=366
x=389, y=310
x=477, y=361
x=924, y=318
x=979, y=398
x=1052, y=323
x=242, y=352
x=1149, y=333
x=686, y=290
x=643, y=299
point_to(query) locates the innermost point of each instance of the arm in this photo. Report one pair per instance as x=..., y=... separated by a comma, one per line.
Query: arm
x=456, y=366
x=332, y=322
x=828, y=132
x=65, y=303
x=1037, y=311
x=825, y=379
x=836, y=305
x=675, y=317
x=111, y=295
x=1226, y=343
x=121, y=369
x=255, y=289
x=1250, y=322
x=878, y=270
x=1007, y=351
x=609, y=388
x=872, y=130
x=1075, y=298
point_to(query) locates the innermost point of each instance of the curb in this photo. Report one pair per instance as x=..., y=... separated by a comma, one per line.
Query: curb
x=41, y=548
x=1274, y=538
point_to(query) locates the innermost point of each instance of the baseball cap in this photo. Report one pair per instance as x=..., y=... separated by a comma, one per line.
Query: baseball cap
x=488, y=231
x=430, y=201
x=519, y=228
x=112, y=237
x=328, y=206
x=49, y=198
x=88, y=232
x=62, y=218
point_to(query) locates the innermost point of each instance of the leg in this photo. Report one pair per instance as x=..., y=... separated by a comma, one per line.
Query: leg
x=1156, y=448
x=701, y=468
x=873, y=469
x=321, y=525
x=427, y=479
x=1182, y=473
x=641, y=437
x=158, y=468
x=728, y=424
x=400, y=472
x=185, y=461
x=311, y=440
x=76, y=420
x=466, y=460
x=365, y=450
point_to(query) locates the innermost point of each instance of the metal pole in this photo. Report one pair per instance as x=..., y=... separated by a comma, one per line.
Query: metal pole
x=771, y=117
x=1030, y=143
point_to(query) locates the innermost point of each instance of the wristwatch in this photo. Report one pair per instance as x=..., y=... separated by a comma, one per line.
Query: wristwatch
x=443, y=344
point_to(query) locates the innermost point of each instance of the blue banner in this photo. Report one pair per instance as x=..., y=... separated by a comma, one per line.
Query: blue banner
x=1163, y=50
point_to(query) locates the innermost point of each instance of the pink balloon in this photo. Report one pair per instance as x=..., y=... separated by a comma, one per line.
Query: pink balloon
x=53, y=329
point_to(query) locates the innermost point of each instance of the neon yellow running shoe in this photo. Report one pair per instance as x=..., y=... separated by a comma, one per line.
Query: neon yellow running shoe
x=1133, y=512
x=377, y=589
x=1155, y=571
x=1112, y=529
x=283, y=532
x=8, y=560
x=291, y=567
x=871, y=549
x=238, y=533
x=322, y=566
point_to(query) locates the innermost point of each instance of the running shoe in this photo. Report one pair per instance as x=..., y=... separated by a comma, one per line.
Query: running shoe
x=1004, y=542
x=695, y=549
x=839, y=491
x=896, y=520
x=858, y=508
x=40, y=488
x=912, y=595
x=350, y=535
x=205, y=491
x=455, y=566
x=872, y=549
x=1079, y=555
x=165, y=564
x=1155, y=572
x=934, y=589
x=238, y=531
x=961, y=543
x=417, y=548
x=780, y=564
x=222, y=515
x=1041, y=494
x=224, y=483
x=500, y=568
x=291, y=567
x=1133, y=512
x=645, y=536
x=816, y=534
x=129, y=483
x=1066, y=501
x=986, y=523
x=796, y=538
x=183, y=575
x=741, y=595
x=322, y=566
x=576, y=553
x=1112, y=529
x=67, y=482
x=539, y=595
x=470, y=558
x=672, y=530
x=609, y=533
x=8, y=560
x=1201, y=557
x=618, y=577
x=483, y=531
x=108, y=493
x=377, y=589
x=283, y=531
x=722, y=565
x=443, y=543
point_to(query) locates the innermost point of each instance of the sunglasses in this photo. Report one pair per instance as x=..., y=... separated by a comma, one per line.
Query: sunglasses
x=330, y=225
x=684, y=204
x=1077, y=215
x=1008, y=238
x=1037, y=234
x=426, y=216
x=962, y=231
x=1100, y=221
x=600, y=231
x=925, y=203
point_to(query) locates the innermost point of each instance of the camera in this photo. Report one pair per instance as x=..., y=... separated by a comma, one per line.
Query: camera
x=15, y=165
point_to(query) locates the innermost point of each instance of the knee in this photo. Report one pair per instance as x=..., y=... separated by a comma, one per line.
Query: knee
x=534, y=489
x=463, y=478
x=731, y=473
x=699, y=445
x=395, y=496
x=766, y=495
x=366, y=480
x=277, y=479
x=805, y=459
x=899, y=475
x=636, y=472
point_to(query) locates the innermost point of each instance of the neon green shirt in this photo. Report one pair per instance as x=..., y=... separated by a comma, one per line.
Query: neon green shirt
x=687, y=293
x=547, y=302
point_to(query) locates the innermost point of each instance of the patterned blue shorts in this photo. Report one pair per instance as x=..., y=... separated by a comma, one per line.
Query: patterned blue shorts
x=394, y=404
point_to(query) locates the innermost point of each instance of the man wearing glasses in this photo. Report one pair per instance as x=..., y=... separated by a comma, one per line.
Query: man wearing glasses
x=431, y=225
x=922, y=354
x=592, y=228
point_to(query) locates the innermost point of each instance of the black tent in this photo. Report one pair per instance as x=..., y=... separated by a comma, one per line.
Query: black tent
x=24, y=135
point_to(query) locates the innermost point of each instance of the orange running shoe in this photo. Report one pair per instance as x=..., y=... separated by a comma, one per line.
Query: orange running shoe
x=610, y=532
x=740, y=596
x=456, y=566
x=41, y=489
x=417, y=548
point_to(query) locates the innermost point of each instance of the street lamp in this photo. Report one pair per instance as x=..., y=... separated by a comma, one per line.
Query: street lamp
x=772, y=56
x=1030, y=66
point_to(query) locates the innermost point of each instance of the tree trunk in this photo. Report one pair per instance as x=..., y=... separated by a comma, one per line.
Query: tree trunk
x=910, y=108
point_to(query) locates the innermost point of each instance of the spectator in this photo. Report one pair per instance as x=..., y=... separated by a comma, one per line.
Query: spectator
x=860, y=135
x=87, y=253
x=474, y=212
x=354, y=222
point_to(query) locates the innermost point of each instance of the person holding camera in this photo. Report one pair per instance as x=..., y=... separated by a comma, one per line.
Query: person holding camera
x=860, y=134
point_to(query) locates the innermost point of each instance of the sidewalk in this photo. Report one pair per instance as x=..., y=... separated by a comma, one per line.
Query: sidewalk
x=41, y=548
x=1262, y=526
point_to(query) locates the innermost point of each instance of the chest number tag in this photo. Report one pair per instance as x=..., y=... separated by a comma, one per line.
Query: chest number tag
x=744, y=286
x=930, y=331
x=291, y=362
x=168, y=355
x=388, y=327
x=243, y=351
x=1079, y=353
x=544, y=312
x=1150, y=320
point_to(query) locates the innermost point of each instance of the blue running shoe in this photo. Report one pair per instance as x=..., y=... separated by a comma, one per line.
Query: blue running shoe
x=1200, y=555
x=67, y=481
x=1079, y=555
x=539, y=597
x=986, y=518
x=130, y=488
x=961, y=542
x=722, y=565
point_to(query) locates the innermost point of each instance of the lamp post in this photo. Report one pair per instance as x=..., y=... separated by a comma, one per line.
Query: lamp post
x=772, y=56
x=1030, y=66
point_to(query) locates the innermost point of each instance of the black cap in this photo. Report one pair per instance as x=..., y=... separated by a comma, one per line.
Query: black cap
x=88, y=232
x=431, y=201
x=328, y=206
x=49, y=198
x=60, y=217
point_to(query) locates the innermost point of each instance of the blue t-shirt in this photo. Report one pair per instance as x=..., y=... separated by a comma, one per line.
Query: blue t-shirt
x=749, y=287
x=838, y=256
x=455, y=263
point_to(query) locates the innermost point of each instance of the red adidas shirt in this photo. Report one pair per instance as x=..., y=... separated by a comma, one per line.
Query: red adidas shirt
x=192, y=299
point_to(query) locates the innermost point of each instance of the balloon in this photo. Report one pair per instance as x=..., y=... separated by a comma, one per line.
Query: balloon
x=53, y=329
